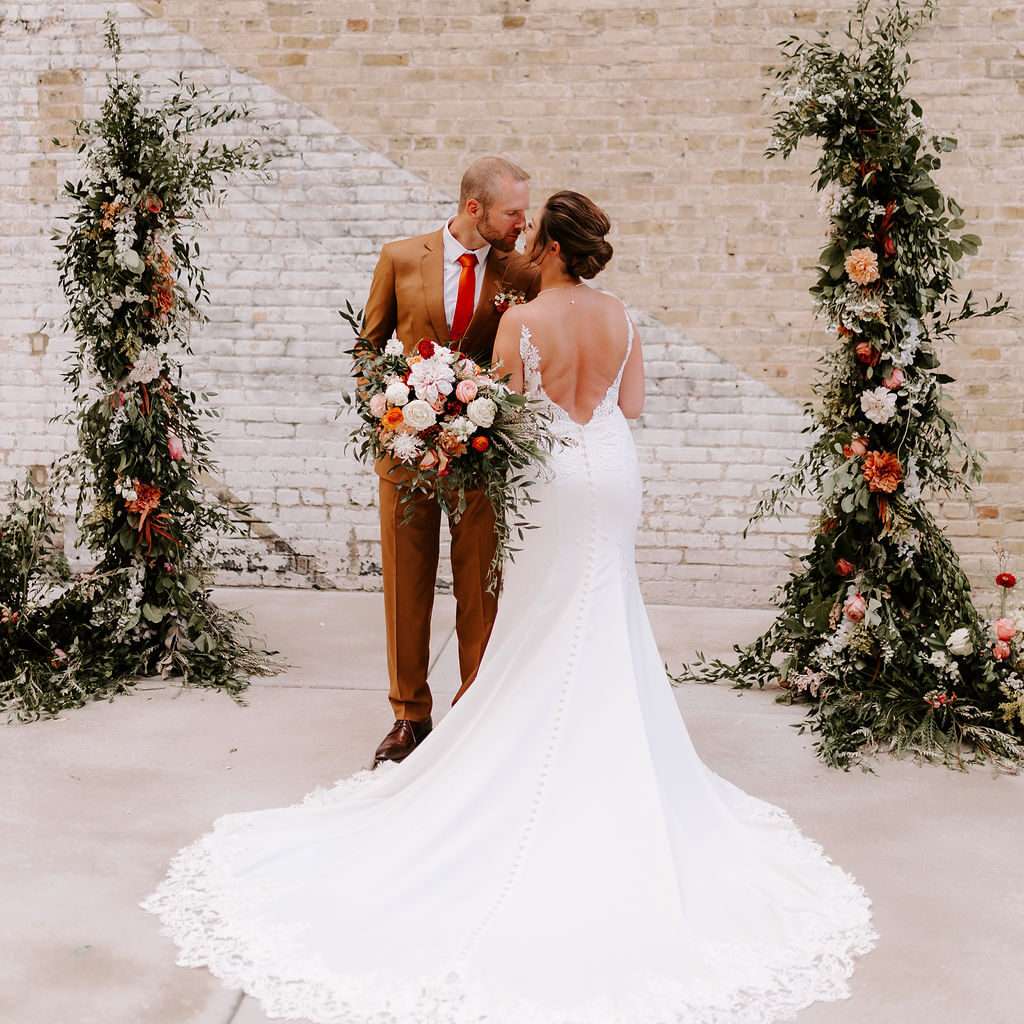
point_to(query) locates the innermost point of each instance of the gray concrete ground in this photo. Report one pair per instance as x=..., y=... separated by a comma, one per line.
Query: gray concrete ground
x=97, y=802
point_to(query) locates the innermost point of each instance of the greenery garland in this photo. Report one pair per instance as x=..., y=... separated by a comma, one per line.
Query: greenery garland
x=878, y=634
x=129, y=270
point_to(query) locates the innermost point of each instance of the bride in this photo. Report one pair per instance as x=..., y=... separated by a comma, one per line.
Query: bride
x=555, y=852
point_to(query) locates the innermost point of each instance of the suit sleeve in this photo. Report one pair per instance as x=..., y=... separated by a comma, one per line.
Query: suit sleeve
x=380, y=315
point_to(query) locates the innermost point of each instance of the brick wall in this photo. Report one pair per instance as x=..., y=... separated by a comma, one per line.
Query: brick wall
x=655, y=111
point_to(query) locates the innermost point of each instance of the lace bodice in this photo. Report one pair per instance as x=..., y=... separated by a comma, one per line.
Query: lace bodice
x=533, y=383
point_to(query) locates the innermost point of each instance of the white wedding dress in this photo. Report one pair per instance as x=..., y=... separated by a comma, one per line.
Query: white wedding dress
x=555, y=852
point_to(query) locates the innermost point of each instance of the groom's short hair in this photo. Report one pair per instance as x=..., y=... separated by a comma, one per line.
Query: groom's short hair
x=483, y=176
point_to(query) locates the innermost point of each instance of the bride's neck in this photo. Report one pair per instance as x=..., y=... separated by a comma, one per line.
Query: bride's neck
x=555, y=277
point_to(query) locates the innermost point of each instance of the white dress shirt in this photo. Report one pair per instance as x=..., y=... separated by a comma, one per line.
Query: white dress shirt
x=453, y=249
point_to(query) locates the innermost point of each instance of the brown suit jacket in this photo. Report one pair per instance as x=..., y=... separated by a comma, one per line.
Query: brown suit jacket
x=407, y=300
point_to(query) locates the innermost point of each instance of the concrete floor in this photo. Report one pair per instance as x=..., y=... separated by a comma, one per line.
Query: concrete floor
x=96, y=803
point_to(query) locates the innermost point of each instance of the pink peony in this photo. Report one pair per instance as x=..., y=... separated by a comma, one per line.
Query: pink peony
x=1005, y=629
x=175, y=448
x=466, y=391
x=855, y=608
x=895, y=380
x=1000, y=650
x=378, y=404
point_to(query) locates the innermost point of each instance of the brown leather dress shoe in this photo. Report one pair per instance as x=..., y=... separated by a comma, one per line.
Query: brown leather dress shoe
x=405, y=734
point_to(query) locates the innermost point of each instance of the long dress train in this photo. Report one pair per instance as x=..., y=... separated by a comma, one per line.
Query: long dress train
x=555, y=852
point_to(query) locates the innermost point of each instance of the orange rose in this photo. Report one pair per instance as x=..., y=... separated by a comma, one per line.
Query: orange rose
x=480, y=443
x=393, y=418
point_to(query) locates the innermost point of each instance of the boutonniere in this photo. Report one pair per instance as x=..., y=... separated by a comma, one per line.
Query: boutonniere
x=505, y=299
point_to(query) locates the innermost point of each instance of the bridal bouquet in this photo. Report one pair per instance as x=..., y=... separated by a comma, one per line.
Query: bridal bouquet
x=452, y=425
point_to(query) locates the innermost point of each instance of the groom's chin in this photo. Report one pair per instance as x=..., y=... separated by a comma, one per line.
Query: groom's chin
x=505, y=244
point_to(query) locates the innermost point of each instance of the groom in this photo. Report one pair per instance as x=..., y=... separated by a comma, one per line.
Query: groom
x=442, y=286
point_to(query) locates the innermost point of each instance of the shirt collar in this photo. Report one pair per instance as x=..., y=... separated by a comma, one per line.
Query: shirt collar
x=453, y=248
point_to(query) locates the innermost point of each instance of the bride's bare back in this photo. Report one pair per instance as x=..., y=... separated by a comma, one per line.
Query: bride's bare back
x=581, y=334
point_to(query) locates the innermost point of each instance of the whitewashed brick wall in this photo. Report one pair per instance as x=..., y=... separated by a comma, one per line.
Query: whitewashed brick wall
x=283, y=256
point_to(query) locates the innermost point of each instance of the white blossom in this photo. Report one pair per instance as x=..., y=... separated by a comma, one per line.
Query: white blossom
x=406, y=447
x=397, y=393
x=482, y=411
x=431, y=378
x=147, y=367
x=419, y=414
x=959, y=641
x=878, y=405
x=393, y=348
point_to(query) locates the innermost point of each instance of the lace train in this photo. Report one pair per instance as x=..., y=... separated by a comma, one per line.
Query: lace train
x=195, y=905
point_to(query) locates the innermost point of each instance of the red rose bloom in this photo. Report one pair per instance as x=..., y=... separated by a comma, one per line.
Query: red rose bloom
x=480, y=443
x=890, y=247
x=1006, y=579
x=843, y=567
x=867, y=354
x=425, y=348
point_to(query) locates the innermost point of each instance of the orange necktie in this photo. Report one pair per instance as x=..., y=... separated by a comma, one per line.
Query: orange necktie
x=467, y=296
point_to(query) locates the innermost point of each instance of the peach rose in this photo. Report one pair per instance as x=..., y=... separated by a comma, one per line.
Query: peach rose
x=466, y=390
x=862, y=266
x=1000, y=650
x=855, y=608
x=1005, y=629
x=896, y=379
x=858, y=446
x=378, y=404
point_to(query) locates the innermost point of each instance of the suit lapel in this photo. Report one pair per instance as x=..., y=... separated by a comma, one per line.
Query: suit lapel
x=432, y=272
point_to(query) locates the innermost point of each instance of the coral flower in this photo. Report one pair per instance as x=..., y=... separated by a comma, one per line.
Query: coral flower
x=862, y=266
x=883, y=471
x=866, y=353
x=393, y=418
x=844, y=568
x=480, y=443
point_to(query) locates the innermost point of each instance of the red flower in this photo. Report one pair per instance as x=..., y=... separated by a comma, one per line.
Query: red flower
x=867, y=354
x=153, y=204
x=501, y=306
x=889, y=247
x=1006, y=579
x=480, y=443
x=425, y=348
x=844, y=568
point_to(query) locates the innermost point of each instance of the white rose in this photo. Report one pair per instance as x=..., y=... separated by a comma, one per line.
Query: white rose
x=393, y=348
x=419, y=414
x=959, y=641
x=461, y=427
x=397, y=393
x=482, y=411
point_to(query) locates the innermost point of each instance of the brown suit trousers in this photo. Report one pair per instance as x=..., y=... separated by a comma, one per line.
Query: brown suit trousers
x=407, y=300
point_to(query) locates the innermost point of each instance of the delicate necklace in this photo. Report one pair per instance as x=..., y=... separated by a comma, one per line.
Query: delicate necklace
x=557, y=287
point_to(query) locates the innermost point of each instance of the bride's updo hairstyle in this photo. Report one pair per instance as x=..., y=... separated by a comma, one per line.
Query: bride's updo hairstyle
x=578, y=225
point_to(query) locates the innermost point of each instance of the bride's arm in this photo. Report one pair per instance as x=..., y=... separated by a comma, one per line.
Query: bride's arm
x=506, y=349
x=632, y=389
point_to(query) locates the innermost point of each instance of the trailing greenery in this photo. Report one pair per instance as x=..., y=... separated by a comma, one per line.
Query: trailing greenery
x=129, y=270
x=877, y=633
